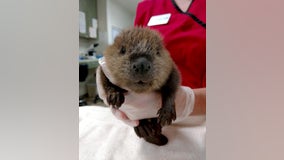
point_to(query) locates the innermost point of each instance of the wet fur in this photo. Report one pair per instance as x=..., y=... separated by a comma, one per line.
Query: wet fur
x=163, y=77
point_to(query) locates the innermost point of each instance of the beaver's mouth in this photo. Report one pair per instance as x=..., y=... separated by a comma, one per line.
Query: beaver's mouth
x=141, y=83
x=140, y=86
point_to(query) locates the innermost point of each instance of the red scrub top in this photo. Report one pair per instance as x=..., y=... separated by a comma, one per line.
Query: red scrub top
x=184, y=36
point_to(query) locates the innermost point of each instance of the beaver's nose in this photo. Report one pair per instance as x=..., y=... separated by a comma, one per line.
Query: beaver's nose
x=141, y=66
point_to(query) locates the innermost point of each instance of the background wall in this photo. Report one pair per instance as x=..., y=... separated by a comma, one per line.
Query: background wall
x=118, y=16
x=111, y=13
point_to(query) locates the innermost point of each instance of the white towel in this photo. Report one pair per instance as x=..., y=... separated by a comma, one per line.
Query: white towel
x=103, y=137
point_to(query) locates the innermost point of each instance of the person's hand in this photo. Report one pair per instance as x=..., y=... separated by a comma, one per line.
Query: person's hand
x=146, y=105
x=123, y=117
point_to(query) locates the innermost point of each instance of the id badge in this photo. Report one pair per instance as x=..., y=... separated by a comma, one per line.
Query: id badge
x=159, y=19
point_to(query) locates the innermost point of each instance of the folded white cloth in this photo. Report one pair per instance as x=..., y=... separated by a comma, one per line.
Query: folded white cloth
x=103, y=137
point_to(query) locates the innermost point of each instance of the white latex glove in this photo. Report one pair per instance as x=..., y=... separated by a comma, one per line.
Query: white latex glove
x=145, y=105
x=123, y=117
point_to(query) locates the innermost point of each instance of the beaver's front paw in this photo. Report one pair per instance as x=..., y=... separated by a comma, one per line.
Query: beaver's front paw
x=166, y=115
x=148, y=127
x=115, y=98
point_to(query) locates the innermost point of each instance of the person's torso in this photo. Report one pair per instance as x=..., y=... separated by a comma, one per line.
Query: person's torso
x=184, y=36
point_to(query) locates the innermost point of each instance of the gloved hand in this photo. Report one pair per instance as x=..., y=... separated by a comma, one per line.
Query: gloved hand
x=123, y=117
x=144, y=105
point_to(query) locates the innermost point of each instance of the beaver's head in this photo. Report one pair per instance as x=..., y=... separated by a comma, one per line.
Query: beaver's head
x=138, y=60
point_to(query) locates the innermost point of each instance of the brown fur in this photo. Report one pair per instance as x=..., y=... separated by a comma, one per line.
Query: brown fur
x=161, y=76
x=138, y=41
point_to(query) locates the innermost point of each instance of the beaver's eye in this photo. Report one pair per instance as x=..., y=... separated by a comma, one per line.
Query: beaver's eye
x=158, y=53
x=122, y=50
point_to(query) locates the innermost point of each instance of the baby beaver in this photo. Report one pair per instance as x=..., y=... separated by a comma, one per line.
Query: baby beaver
x=138, y=62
